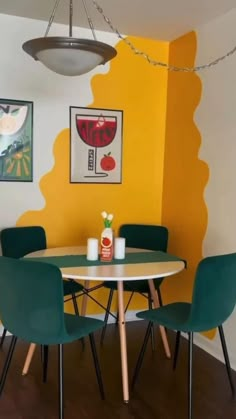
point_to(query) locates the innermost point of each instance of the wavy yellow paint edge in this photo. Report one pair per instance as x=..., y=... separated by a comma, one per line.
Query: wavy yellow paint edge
x=184, y=209
x=53, y=186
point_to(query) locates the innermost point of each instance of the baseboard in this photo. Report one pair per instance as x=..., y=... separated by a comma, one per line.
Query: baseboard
x=213, y=347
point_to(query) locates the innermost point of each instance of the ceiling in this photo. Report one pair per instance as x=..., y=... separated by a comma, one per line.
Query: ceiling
x=162, y=20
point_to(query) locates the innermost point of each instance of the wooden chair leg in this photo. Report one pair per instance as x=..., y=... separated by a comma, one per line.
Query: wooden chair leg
x=226, y=357
x=97, y=366
x=162, y=329
x=190, y=375
x=29, y=358
x=141, y=355
x=61, y=381
x=7, y=363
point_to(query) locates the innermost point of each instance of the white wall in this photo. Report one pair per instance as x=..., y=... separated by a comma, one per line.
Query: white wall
x=216, y=120
x=23, y=78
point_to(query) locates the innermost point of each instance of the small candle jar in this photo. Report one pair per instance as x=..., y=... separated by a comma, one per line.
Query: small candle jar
x=92, y=249
x=119, y=248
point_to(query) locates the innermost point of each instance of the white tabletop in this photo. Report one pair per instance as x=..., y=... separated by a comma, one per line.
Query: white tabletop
x=120, y=272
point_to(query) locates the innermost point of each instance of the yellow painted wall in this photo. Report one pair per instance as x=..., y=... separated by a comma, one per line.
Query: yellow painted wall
x=163, y=178
x=72, y=211
x=185, y=175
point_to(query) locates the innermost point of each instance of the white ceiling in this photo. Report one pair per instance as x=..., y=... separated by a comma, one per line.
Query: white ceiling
x=158, y=19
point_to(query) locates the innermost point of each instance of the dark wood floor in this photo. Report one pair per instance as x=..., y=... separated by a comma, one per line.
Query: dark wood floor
x=160, y=392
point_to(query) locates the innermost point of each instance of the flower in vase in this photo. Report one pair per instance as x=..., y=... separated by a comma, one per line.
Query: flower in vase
x=107, y=219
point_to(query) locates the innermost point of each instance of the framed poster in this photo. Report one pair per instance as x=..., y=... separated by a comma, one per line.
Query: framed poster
x=95, y=145
x=16, y=140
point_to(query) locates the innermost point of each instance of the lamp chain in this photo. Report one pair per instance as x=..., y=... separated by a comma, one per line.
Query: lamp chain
x=70, y=17
x=89, y=20
x=52, y=17
x=159, y=63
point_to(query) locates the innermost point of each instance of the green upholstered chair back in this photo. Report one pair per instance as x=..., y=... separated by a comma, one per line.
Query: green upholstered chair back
x=214, y=293
x=39, y=319
x=16, y=242
x=151, y=237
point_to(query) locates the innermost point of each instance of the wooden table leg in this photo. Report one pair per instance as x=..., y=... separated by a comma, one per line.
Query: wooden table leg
x=162, y=329
x=29, y=358
x=123, y=344
x=84, y=299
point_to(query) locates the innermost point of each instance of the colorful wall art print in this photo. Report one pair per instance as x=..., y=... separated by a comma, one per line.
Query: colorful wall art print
x=16, y=140
x=95, y=145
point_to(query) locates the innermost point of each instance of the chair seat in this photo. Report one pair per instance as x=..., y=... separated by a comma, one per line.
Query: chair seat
x=71, y=287
x=76, y=327
x=176, y=316
x=79, y=326
x=173, y=316
x=134, y=286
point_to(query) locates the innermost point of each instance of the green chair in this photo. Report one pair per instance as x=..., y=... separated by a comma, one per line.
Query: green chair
x=143, y=236
x=17, y=242
x=214, y=298
x=41, y=320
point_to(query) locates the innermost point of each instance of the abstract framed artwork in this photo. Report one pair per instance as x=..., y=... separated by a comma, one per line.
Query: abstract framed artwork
x=95, y=145
x=16, y=140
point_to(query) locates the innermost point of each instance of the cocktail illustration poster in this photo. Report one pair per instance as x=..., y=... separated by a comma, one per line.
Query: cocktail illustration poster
x=16, y=138
x=95, y=145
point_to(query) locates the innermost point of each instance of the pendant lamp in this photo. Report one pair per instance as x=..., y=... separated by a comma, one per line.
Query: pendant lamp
x=69, y=56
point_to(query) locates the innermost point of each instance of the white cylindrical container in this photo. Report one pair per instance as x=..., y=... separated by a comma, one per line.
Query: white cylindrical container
x=119, y=248
x=92, y=249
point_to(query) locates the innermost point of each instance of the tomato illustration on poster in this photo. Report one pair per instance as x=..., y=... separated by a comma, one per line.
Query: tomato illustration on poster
x=95, y=145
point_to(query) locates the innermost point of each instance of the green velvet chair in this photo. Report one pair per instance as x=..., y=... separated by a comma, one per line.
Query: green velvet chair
x=143, y=236
x=213, y=301
x=17, y=242
x=41, y=320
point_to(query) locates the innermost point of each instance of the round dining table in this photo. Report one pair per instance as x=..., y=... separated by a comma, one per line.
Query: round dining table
x=139, y=264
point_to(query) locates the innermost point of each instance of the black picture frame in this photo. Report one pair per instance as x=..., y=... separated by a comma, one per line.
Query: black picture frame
x=16, y=140
x=96, y=140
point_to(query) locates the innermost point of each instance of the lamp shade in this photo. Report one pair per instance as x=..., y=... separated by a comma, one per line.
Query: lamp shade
x=69, y=56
